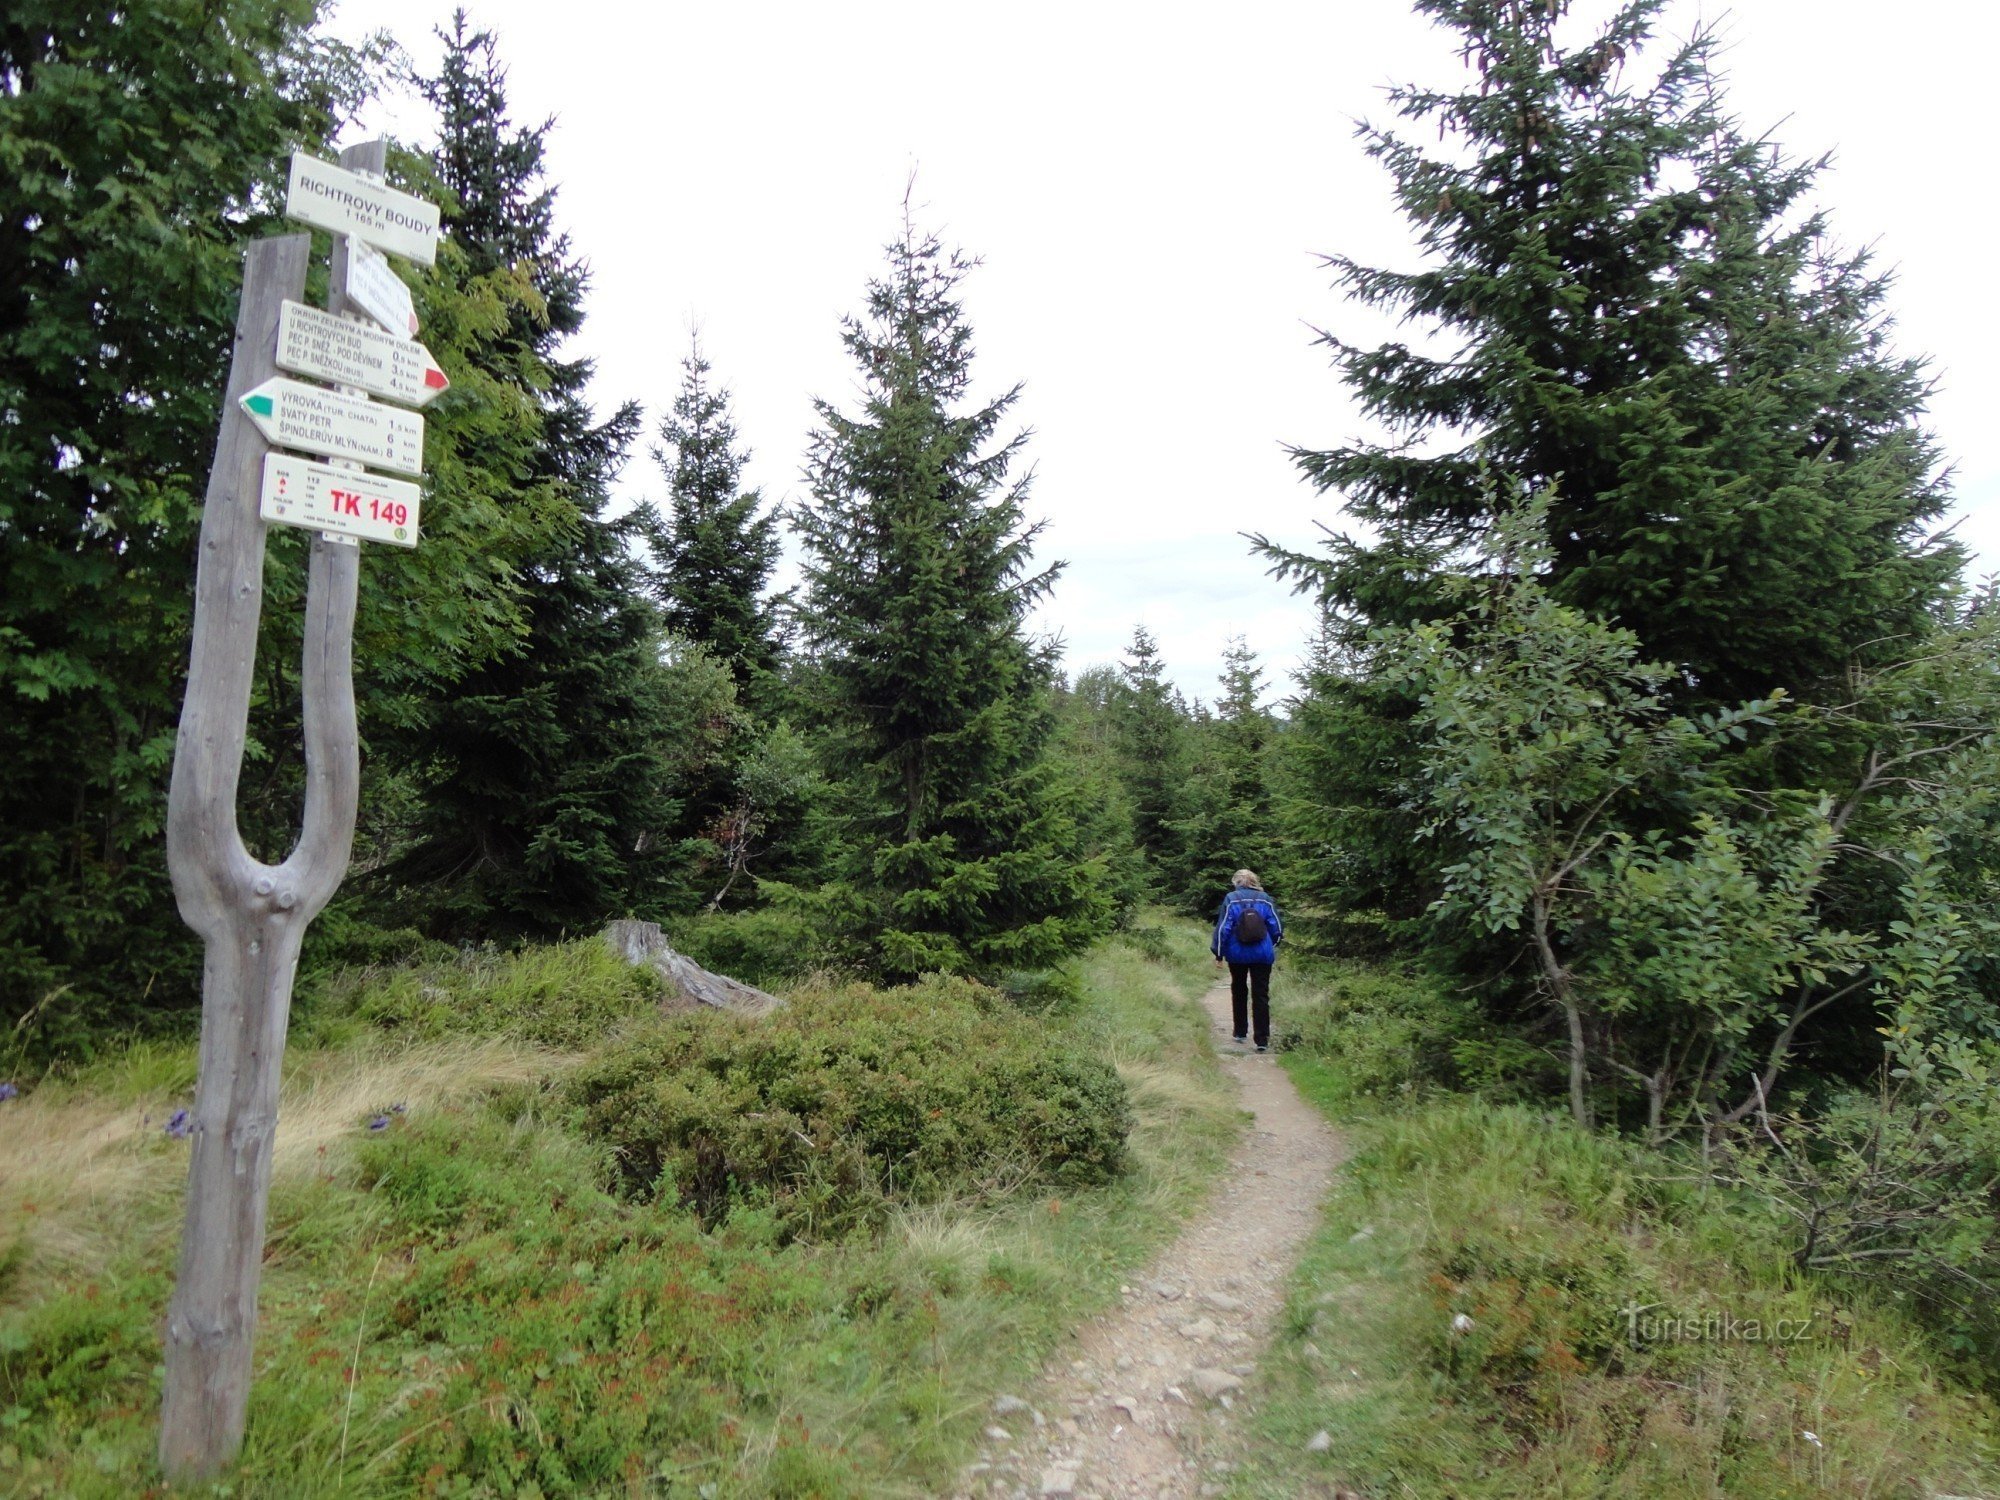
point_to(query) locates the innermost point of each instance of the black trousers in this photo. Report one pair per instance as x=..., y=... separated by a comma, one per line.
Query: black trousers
x=1250, y=993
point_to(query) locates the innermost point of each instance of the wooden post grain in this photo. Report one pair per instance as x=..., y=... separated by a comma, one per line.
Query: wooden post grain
x=251, y=916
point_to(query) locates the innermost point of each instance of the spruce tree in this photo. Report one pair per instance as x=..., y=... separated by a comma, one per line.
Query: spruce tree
x=713, y=552
x=1632, y=309
x=965, y=853
x=545, y=804
x=1343, y=799
x=1152, y=731
x=1089, y=745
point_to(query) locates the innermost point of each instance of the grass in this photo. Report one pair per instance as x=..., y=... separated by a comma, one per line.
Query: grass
x=1544, y=1239
x=458, y=1305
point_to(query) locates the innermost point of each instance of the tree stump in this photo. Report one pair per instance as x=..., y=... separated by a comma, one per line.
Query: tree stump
x=644, y=943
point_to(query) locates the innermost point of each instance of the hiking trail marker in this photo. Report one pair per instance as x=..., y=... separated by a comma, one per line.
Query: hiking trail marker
x=252, y=916
x=299, y=492
x=374, y=287
x=318, y=420
x=315, y=343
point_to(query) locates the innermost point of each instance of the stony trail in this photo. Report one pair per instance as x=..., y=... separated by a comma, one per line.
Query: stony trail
x=1140, y=1404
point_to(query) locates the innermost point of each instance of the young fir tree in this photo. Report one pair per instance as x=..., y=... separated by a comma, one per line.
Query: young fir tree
x=965, y=852
x=1152, y=733
x=713, y=551
x=1225, y=817
x=1633, y=311
x=128, y=189
x=546, y=803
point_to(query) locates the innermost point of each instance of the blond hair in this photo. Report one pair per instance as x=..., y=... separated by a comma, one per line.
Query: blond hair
x=1247, y=877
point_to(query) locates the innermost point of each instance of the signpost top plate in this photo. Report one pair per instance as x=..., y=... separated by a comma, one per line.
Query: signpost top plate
x=333, y=198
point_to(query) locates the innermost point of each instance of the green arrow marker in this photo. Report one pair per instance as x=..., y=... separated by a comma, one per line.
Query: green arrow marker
x=259, y=405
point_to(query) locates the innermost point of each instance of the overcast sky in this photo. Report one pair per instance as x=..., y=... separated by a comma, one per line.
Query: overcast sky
x=1150, y=189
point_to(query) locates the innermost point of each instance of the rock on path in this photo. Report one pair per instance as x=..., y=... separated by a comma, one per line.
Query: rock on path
x=1140, y=1404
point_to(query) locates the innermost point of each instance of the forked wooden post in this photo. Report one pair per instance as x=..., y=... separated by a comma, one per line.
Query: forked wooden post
x=251, y=916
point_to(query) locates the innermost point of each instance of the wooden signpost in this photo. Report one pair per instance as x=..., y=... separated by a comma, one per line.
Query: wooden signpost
x=252, y=916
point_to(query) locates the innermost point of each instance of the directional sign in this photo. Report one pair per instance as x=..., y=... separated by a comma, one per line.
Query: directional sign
x=345, y=202
x=311, y=342
x=374, y=286
x=293, y=414
x=299, y=492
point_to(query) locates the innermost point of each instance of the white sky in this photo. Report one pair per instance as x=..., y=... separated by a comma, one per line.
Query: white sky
x=1149, y=188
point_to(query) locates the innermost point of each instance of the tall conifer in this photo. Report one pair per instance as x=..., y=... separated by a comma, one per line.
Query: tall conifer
x=1631, y=307
x=966, y=854
x=1152, y=733
x=1626, y=303
x=713, y=550
x=545, y=805
x=1225, y=817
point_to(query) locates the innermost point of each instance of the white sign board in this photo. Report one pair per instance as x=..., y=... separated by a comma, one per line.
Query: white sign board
x=311, y=342
x=348, y=502
x=374, y=287
x=292, y=414
x=330, y=197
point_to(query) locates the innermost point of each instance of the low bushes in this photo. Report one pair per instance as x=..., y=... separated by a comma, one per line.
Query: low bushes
x=848, y=1101
x=1394, y=1033
x=769, y=946
x=566, y=995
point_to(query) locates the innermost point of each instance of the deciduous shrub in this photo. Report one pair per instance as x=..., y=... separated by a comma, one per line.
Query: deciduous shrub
x=849, y=1101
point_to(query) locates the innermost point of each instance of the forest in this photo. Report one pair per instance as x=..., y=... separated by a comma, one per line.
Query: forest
x=1632, y=818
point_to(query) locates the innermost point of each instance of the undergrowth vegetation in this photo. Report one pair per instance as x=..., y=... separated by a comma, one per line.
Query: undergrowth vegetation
x=1500, y=1304
x=850, y=1102
x=474, y=1288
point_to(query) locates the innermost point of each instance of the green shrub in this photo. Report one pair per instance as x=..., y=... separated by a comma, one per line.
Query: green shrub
x=1629, y=1329
x=548, y=1342
x=849, y=1101
x=1391, y=1032
x=1150, y=940
x=1528, y=1272
x=1892, y=1190
x=1043, y=992
x=770, y=947
x=566, y=995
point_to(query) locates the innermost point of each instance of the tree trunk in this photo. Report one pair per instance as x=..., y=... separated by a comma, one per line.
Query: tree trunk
x=251, y=916
x=1557, y=978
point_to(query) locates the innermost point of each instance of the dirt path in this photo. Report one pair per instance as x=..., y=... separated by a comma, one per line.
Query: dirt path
x=1140, y=1405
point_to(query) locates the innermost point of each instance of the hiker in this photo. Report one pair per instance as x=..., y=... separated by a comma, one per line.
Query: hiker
x=1247, y=933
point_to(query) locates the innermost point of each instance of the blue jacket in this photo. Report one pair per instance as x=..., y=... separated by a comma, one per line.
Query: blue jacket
x=1224, y=945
